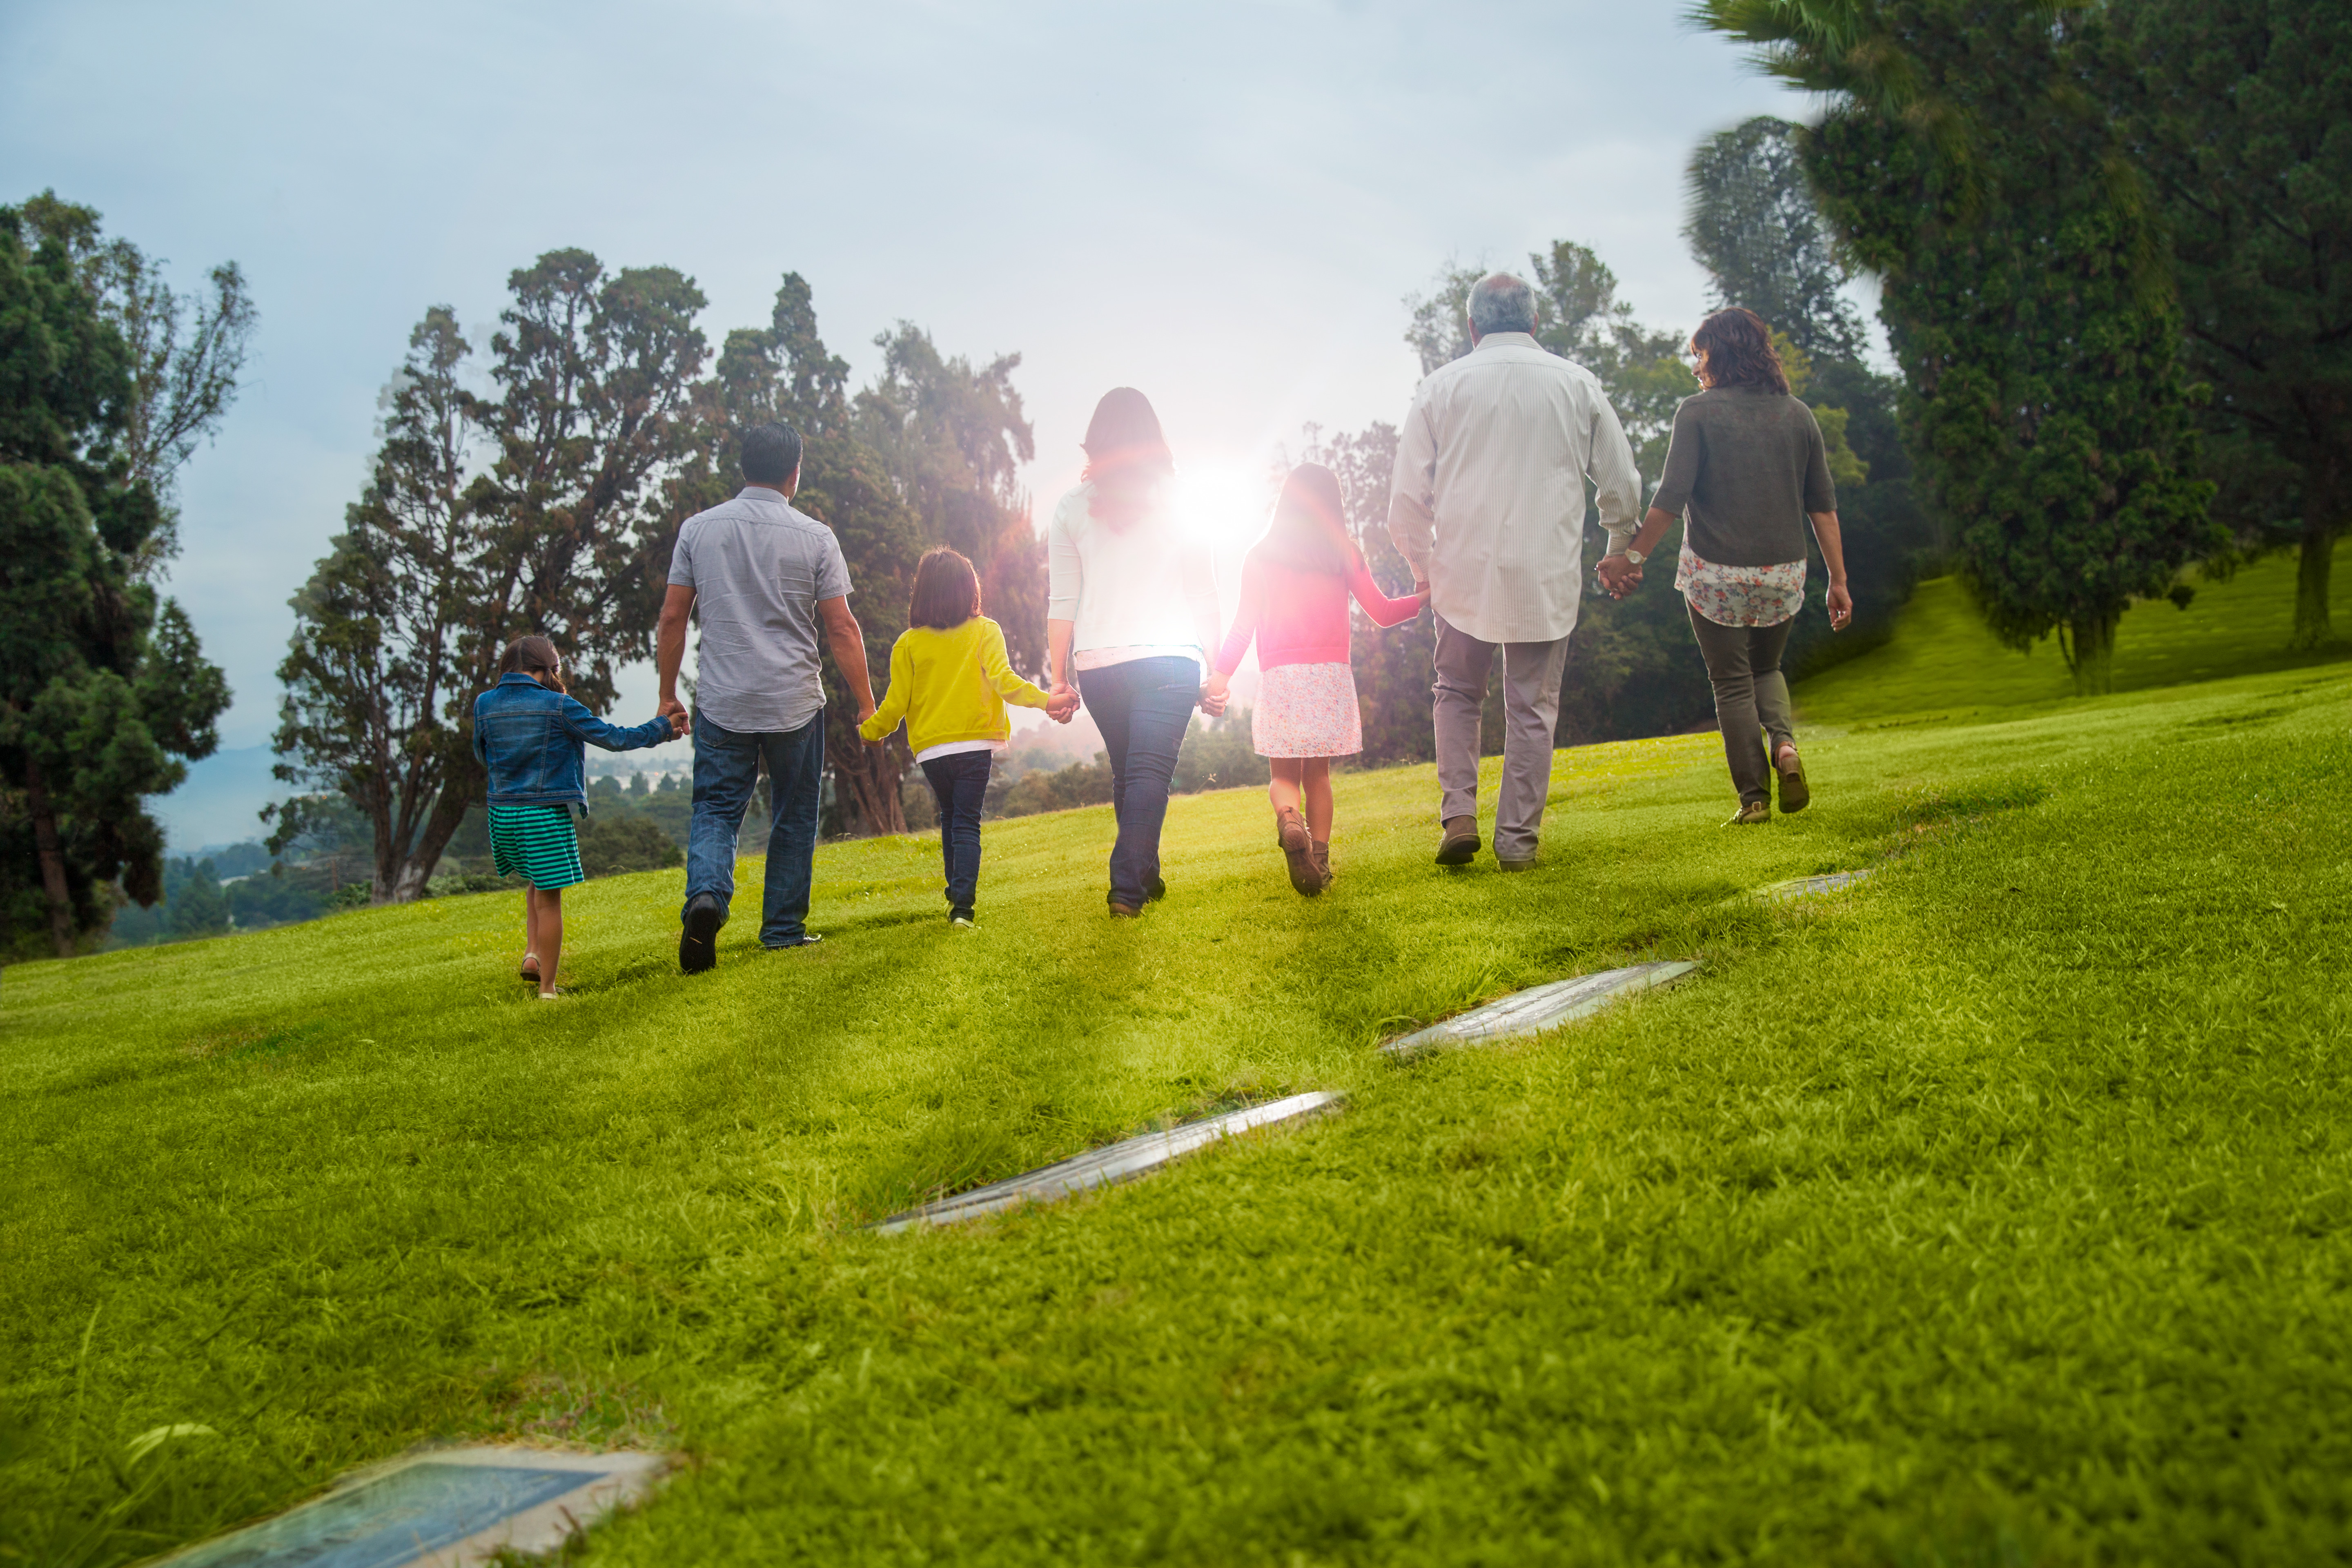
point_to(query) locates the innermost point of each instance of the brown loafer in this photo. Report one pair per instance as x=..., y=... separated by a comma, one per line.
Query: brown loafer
x=1460, y=843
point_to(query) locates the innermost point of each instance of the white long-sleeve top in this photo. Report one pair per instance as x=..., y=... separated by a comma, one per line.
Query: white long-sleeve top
x=1487, y=503
x=1144, y=591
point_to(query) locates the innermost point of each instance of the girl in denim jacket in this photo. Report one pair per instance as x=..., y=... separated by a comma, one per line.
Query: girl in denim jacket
x=531, y=735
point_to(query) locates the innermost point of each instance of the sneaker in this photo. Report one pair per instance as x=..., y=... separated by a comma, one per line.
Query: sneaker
x=1460, y=843
x=806, y=939
x=1753, y=811
x=698, y=946
x=960, y=918
x=1795, y=794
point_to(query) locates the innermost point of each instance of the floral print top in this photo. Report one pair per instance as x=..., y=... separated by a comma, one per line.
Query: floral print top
x=1741, y=596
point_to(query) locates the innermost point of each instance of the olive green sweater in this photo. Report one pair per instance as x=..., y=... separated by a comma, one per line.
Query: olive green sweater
x=1743, y=469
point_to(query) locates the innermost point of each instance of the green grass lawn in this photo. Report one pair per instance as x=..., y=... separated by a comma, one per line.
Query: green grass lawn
x=1942, y=664
x=1997, y=1210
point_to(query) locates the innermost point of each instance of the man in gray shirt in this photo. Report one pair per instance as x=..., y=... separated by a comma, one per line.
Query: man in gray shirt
x=765, y=578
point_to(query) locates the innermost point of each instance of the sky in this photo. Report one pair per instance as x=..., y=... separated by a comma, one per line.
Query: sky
x=1225, y=205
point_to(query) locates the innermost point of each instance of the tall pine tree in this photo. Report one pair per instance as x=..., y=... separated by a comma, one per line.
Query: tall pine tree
x=104, y=694
x=2023, y=294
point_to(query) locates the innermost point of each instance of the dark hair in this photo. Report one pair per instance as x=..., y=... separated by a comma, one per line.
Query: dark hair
x=533, y=654
x=1127, y=456
x=770, y=453
x=947, y=591
x=1307, y=531
x=1740, y=351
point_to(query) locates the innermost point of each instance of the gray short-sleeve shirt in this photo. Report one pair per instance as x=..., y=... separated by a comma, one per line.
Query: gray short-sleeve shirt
x=758, y=569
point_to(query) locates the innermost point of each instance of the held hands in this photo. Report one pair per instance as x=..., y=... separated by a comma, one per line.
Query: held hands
x=1214, y=692
x=1841, y=606
x=1618, y=576
x=1065, y=704
x=680, y=724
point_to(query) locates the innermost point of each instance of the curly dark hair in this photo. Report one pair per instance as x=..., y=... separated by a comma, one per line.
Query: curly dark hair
x=1739, y=351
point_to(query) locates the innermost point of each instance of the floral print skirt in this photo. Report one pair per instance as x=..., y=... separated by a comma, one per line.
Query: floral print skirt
x=1307, y=710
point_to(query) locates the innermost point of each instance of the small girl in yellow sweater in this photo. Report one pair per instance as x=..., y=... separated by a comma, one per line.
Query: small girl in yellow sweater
x=949, y=680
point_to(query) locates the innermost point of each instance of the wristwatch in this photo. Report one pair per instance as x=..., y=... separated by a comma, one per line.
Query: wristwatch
x=1632, y=556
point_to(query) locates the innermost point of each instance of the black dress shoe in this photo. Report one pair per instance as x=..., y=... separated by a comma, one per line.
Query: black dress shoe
x=697, y=945
x=1154, y=890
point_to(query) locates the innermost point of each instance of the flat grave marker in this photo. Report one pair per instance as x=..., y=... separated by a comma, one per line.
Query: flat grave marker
x=1541, y=1007
x=1113, y=1162
x=445, y=1509
x=1806, y=887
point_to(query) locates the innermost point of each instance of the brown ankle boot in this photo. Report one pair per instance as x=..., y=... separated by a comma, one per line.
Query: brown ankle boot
x=1323, y=859
x=1297, y=848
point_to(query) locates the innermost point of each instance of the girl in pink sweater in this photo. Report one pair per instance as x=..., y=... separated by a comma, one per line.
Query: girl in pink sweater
x=1295, y=586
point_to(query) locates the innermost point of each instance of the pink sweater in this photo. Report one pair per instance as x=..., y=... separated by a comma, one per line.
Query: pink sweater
x=1301, y=617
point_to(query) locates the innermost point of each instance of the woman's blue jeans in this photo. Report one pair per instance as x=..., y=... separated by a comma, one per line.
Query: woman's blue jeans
x=726, y=769
x=1141, y=707
x=959, y=784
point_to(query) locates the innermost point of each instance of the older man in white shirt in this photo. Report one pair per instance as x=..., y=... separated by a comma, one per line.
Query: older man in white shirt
x=1487, y=507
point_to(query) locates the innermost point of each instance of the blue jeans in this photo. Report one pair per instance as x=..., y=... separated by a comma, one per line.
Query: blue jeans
x=960, y=782
x=1141, y=707
x=726, y=767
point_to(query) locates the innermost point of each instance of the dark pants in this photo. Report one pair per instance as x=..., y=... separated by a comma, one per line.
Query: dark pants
x=726, y=768
x=1141, y=707
x=960, y=782
x=1751, y=695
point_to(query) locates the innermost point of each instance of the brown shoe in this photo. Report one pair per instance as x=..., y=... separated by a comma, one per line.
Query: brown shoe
x=1323, y=859
x=1299, y=851
x=1460, y=843
x=1753, y=811
x=1795, y=794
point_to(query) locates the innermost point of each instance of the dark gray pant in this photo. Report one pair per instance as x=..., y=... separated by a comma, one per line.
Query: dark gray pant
x=1531, y=672
x=1743, y=665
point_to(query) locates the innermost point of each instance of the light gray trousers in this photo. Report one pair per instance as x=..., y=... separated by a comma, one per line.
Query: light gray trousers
x=1531, y=673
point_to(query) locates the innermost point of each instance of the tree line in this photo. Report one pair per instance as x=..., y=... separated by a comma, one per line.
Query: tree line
x=540, y=486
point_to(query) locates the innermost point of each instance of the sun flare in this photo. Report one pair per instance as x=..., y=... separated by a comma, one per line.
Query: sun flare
x=1222, y=504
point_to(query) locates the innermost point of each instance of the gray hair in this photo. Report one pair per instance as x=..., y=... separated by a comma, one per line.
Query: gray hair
x=1502, y=303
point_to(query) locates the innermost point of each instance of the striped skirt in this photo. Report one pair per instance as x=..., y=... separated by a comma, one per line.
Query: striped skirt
x=539, y=842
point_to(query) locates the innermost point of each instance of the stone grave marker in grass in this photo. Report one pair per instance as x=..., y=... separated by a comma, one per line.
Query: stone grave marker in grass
x=1522, y=1013
x=1805, y=887
x=1114, y=1163
x=438, y=1509
x=1542, y=1007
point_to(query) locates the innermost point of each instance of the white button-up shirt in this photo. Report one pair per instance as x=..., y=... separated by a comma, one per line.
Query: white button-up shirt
x=1487, y=503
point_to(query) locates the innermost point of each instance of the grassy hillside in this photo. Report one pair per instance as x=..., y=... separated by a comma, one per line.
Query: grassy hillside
x=1995, y=1210
x=1943, y=663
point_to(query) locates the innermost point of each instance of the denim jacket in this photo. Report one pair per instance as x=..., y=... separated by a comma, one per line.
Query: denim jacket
x=530, y=739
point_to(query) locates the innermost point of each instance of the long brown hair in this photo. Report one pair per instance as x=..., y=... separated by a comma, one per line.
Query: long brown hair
x=1307, y=531
x=1127, y=456
x=1739, y=351
x=535, y=656
x=946, y=593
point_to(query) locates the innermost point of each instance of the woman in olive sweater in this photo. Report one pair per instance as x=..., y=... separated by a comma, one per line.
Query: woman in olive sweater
x=1745, y=470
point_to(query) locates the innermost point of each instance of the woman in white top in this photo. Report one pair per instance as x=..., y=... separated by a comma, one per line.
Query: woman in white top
x=1132, y=613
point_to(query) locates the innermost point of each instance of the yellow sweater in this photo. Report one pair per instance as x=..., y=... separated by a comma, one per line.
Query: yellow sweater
x=951, y=686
